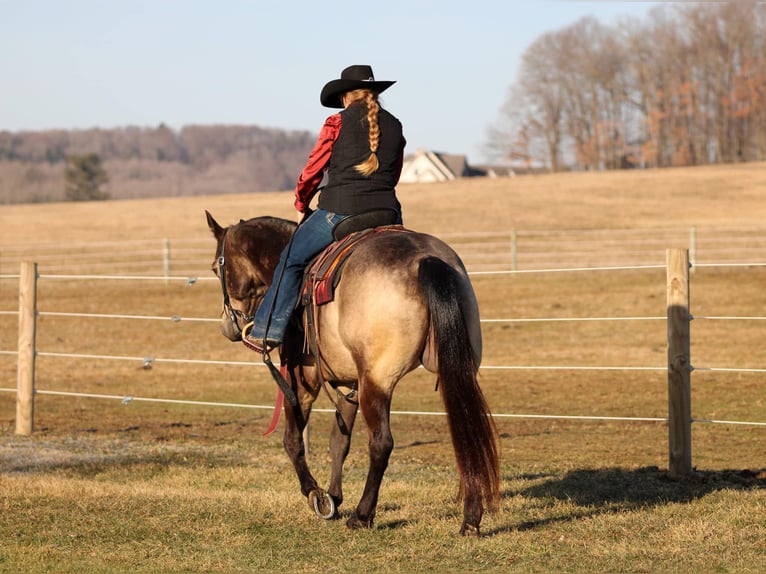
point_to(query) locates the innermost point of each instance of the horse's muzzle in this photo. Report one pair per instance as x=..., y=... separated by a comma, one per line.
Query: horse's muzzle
x=230, y=330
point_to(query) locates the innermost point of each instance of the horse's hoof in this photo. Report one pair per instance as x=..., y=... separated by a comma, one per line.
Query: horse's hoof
x=469, y=530
x=355, y=523
x=322, y=503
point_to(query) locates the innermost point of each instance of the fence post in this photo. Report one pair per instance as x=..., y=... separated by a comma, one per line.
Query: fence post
x=679, y=363
x=25, y=389
x=692, y=247
x=514, y=250
x=166, y=258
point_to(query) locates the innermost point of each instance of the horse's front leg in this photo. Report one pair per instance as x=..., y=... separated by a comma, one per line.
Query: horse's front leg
x=296, y=419
x=376, y=408
x=340, y=443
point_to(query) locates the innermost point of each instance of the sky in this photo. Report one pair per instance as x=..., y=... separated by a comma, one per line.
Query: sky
x=80, y=64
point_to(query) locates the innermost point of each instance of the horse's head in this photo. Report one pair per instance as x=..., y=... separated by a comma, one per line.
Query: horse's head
x=246, y=256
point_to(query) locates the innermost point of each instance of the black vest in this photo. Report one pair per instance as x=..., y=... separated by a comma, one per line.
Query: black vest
x=348, y=191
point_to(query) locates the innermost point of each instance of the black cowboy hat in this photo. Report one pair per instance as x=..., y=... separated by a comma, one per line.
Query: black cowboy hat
x=352, y=78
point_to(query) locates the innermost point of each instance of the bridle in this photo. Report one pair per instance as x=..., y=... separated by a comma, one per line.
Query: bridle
x=232, y=313
x=235, y=314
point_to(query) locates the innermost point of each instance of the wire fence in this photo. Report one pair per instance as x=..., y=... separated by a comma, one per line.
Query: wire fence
x=147, y=361
x=515, y=250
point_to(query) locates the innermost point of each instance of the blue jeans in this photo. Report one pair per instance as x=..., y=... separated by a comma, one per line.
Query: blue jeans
x=312, y=235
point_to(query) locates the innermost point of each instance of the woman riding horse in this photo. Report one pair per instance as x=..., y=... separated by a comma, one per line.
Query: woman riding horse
x=404, y=300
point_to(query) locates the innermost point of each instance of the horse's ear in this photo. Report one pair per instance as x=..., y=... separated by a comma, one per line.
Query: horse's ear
x=213, y=225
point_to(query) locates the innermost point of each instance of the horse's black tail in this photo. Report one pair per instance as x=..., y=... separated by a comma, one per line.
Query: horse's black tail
x=473, y=432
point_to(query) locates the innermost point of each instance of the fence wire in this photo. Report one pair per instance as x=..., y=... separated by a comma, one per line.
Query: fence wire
x=148, y=361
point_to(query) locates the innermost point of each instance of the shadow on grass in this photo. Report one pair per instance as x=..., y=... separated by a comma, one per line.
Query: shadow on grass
x=87, y=457
x=601, y=491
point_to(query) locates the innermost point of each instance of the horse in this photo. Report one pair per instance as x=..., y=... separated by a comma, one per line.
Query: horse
x=404, y=300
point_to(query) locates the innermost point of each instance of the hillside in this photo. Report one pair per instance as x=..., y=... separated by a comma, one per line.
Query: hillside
x=154, y=162
x=711, y=196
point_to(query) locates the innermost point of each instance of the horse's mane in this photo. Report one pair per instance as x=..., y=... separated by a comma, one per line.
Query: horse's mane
x=262, y=238
x=278, y=224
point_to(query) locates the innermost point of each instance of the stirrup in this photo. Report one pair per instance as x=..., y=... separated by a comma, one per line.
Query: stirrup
x=257, y=345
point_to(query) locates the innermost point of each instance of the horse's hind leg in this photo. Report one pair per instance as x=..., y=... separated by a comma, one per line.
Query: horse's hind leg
x=340, y=442
x=376, y=408
x=473, y=509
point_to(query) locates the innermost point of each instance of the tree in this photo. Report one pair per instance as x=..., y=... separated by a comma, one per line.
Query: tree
x=84, y=178
x=687, y=87
x=529, y=128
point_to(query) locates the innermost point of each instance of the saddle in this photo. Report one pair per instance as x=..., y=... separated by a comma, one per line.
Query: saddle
x=323, y=274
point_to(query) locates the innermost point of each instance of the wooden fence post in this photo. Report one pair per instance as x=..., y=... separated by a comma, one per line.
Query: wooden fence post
x=514, y=250
x=25, y=390
x=692, y=247
x=679, y=364
x=166, y=258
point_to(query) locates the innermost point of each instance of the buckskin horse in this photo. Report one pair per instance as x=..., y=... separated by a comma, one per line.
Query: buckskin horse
x=404, y=300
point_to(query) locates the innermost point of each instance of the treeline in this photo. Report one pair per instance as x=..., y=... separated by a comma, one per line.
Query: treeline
x=685, y=87
x=143, y=162
x=198, y=146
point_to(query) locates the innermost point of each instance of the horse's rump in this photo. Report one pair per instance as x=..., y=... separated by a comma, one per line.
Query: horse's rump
x=378, y=297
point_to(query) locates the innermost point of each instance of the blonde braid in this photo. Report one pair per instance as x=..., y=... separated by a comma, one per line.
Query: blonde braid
x=370, y=165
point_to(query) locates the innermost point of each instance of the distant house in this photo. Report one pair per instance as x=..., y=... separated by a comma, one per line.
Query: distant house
x=497, y=170
x=430, y=166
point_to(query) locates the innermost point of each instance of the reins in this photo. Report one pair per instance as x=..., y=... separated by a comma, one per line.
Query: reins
x=275, y=374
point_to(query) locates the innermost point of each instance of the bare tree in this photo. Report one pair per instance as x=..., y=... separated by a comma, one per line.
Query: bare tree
x=686, y=87
x=533, y=113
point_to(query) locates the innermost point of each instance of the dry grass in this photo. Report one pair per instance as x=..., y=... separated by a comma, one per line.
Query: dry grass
x=109, y=487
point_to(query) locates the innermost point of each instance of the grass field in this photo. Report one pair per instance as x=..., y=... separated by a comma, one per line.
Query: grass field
x=107, y=486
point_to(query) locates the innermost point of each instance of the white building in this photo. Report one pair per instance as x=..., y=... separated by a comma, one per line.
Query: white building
x=430, y=166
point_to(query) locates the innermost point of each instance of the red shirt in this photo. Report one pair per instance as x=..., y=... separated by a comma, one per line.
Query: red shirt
x=311, y=176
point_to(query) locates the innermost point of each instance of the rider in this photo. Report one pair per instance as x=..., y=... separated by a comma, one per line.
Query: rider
x=361, y=149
